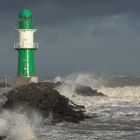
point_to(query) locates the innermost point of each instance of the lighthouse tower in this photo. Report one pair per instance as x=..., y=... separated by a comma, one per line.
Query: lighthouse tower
x=26, y=49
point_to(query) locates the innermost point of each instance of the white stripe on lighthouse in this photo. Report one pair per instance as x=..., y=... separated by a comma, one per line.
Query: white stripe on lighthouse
x=26, y=38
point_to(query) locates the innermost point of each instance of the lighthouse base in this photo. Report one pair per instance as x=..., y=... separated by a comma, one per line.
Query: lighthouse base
x=26, y=80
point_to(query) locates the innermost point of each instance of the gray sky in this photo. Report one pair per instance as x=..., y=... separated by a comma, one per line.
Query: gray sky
x=100, y=36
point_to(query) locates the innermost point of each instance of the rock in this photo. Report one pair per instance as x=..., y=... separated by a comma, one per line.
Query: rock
x=44, y=97
x=87, y=91
x=81, y=89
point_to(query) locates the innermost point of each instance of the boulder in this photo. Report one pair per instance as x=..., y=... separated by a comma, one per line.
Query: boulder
x=87, y=91
x=45, y=98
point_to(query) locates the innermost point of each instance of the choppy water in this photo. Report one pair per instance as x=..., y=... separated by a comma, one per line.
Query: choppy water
x=118, y=115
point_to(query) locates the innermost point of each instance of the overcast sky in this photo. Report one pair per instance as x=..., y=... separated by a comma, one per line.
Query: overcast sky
x=100, y=36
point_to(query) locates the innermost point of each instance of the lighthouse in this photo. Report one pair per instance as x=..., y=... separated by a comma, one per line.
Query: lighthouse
x=26, y=49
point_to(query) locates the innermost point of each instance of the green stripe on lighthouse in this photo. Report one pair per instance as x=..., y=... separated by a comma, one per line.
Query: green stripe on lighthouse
x=26, y=66
x=25, y=19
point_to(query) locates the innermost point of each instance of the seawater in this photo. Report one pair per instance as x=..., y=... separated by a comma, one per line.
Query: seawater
x=117, y=115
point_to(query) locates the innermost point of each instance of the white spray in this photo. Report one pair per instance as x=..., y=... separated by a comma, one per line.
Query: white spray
x=18, y=125
x=119, y=96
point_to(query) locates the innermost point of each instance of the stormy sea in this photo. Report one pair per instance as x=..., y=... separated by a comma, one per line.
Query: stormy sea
x=115, y=116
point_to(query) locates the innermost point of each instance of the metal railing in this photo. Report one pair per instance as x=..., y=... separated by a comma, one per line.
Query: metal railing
x=25, y=45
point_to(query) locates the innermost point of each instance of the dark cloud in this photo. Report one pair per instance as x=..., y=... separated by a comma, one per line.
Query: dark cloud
x=13, y=5
x=93, y=35
x=91, y=7
x=69, y=10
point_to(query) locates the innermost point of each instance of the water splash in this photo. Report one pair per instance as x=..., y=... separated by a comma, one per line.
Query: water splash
x=4, y=128
x=18, y=125
x=119, y=97
x=121, y=104
x=86, y=79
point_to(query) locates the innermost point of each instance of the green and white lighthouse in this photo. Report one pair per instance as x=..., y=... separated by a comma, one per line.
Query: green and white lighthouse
x=26, y=48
